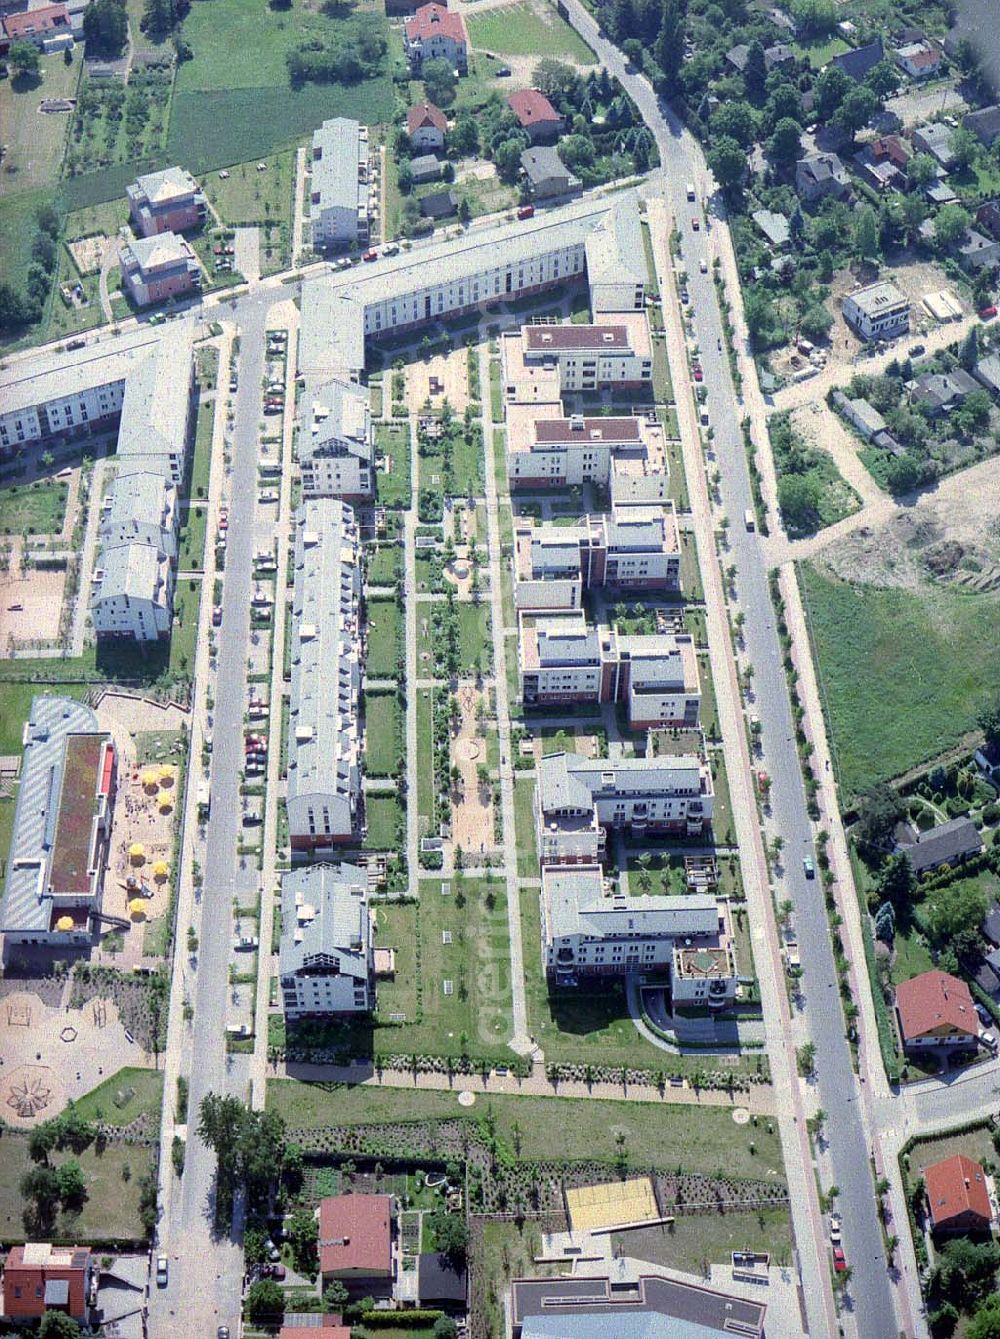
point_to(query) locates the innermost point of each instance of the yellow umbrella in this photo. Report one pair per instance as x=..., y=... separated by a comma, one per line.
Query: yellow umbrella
x=64, y=923
x=137, y=851
x=137, y=908
x=149, y=777
x=161, y=869
x=166, y=776
x=166, y=804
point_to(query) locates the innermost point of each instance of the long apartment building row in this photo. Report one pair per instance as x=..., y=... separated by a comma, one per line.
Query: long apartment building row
x=144, y=383
x=324, y=768
x=563, y=660
x=635, y=548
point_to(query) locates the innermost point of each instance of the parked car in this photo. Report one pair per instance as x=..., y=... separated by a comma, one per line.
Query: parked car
x=835, y=1228
x=162, y=1268
x=808, y=867
x=988, y=1039
x=370, y=255
x=916, y=350
x=984, y=1015
x=217, y=616
x=988, y=313
x=526, y=212
x=699, y=375
x=839, y=1259
x=503, y=72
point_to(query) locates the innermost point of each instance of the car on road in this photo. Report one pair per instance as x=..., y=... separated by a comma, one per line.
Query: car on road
x=835, y=1222
x=695, y=224
x=371, y=255
x=526, y=212
x=162, y=1270
x=808, y=867
x=699, y=375
x=217, y=616
x=703, y=265
x=76, y=344
x=839, y=1259
x=988, y=1039
x=916, y=350
x=223, y=1331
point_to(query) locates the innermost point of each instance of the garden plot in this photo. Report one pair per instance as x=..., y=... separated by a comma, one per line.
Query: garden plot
x=472, y=812
x=88, y=252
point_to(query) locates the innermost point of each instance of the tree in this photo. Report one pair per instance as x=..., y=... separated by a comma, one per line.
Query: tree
x=783, y=101
x=463, y=138
x=964, y=1272
x=973, y=414
x=829, y=92
x=553, y=77
x=445, y=1328
x=668, y=49
x=736, y=119
x=857, y=108
x=40, y=1185
x=727, y=162
x=816, y=322
x=159, y=17
x=303, y=1235
x=439, y=81
x=255, y=1246
x=41, y=1141
x=815, y=16
x=896, y=882
x=24, y=58
x=988, y=720
x=952, y=910
x=265, y=1302
x=951, y=224
x=404, y=178
x=336, y=1295
x=921, y=170
x=883, y=80
x=105, y=28
x=507, y=157
x=985, y=1324
x=879, y=810
x=798, y=500
x=885, y=923
x=451, y=1235
x=755, y=72
x=964, y=146
x=785, y=143
x=464, y=211
x=577, y=152
x=72, y=1186
x=57, y=1325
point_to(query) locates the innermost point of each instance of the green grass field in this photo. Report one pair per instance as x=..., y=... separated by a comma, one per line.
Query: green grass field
x=384, y=813
x=821, y=51
x=383, y=734
x=385, y=638
x=112, y=1103
x=524, y=825
x=698, y=1139
x=257, y=41
x=393, y=442
x=425, y=761
x=38, y=508
x=385, y=565
x=903, y=673
x=523, y=30
x=474, y=635
x=36, y=141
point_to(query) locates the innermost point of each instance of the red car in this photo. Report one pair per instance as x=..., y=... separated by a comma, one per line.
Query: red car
x=988, y=313
x=839, y=1259
x=695, y=224
x=370, y=255
x=526, y=212
x=223, y=519
x=699, y=375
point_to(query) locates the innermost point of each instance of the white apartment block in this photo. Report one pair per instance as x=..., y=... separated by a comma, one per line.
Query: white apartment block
x=132, y=595
x=880, y=311
x=337, y=442
x=578, y=799
x=141, y=508
x=588, y=932
x=617, y=353
x=339, y=190
x=327, y=957
x=324, y=765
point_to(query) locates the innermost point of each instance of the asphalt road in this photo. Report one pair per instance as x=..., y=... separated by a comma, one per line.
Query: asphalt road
x=870, y=1292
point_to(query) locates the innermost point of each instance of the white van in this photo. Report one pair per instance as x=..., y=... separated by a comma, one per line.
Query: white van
x=750, y=520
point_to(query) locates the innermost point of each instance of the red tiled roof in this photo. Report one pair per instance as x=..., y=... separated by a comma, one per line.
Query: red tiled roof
x=435, y=20
x=355, y=1235
x=933, y=1002
x=927, y=57
x=530, y=107
x=35, y=21
x=540, y=338
x=955, y=1187
x=426, y=114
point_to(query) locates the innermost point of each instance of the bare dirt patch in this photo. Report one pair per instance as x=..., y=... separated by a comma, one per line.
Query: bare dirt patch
x=30, y=605
x=443, y=377
x=472, y=814
x=88, y=252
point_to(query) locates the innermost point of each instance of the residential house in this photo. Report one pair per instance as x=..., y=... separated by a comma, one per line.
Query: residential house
x=440, y=1283
x=47, y=27
x=939, y=392
x=617, y=352
x=774, y=227
x=884, y=161
x=427, y=127
x=948, y=843
x=436, y=33
x=339, y=191
x=935, y=139
x=821, y=175
x=879, y=311
x=781, y=19
x=426, y=167
x=985, y=125
x=934, y=1010
x=919, y=60
x=326, y=959
x=958, y=1195
x=61, y=833
x=535, y=115
x=737, y=57
x=159, y=268
x=356, y=1242
x=39, y=1277
x=167, y=201
x=587, y=934
x=937, y=193
x=977, y=252
x=547, y=174
x=439, y=205
x=337, y=442
x=860, y=414
x=860, y=62
x=990, y=926
x=778, y=55
x=988, y=218
x=987, y=756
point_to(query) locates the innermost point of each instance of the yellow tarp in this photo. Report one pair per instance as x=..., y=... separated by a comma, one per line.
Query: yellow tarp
x=593, y=1208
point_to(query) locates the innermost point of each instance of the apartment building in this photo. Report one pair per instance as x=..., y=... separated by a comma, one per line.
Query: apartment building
x=324, y=764
x=326, y=960
x=579, y=798
x=589, y=931
x=158, y=268
x=632, y=548
x=141, y=508
x=39, y=1277
x=616, y=263
x=339, y=191
x=167, y=201
x=132, y=594
x=337, y=442
x=880, y=311
x=62, y=826
x=436, y=33
x=563, y=660
x=614, y=355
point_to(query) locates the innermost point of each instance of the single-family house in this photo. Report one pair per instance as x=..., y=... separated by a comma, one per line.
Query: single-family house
x=821, y=175
x=547, y=174
x=937, y=193
x=436, y=33
x=988, y=217
x=935, y=1009
x=990, y=925
x=949, y=843
x=535, y=115
x=977, y=252
x=774, y=227
x=860, y=62
x=439, y=205
x=778, y=55
x=426, y=167
x=985, y=125
x=781, y=19
x=426, y=126
x=918, y=60
x=958, y=1195
x=47, y=27
x=737, y=57
x=935, y=138
x=39, y=1277
x=987, y=974
x=940, y=392
x=987, y=756
x=355, y=1242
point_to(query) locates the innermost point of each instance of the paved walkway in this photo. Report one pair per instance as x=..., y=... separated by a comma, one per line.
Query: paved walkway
x=410, y=522
x=85, y=568
x=298, y=200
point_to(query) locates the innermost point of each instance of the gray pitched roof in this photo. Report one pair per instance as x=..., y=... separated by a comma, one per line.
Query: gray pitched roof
x=567, y=780
x=577, y=906
x=335, y=174
x=954, y=840
x=324, y=915
x=858, y=63
x=341, y=420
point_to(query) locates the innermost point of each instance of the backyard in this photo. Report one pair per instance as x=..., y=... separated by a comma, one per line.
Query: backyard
x=383, y=734
x=385, y=638
x=384, y=815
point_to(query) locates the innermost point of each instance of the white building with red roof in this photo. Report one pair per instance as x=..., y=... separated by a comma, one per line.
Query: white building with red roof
x=958, y=1195
x=48, y=28
x=535, y=115
x=436, y=33
x=426, y=126
x=935, y=1009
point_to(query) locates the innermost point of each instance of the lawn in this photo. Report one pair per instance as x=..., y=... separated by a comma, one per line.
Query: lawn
x=111, y=1210
x=524, y=827
x=383, y=734
x=384, y=814
x=393, y=443
x=202, y=461
x=38, y=508
x=15, y=704
x=257, y=41
x=523, y=30
x=474, y=635
x=385, y=565
x=17, y=235
x=111, y=1102
x=248, y=196
x=821, y=51
x=425, y=764
x=191, y=551
x=697, y=1138
x=902, y=672
x=36, y=141
x=385, y=638
x=692, y=1239
x=6, y=826
x=976, y=1144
